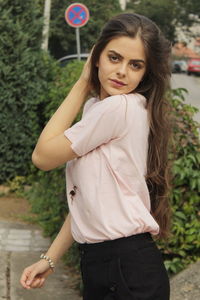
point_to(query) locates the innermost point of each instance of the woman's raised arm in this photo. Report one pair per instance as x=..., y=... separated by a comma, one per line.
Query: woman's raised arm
x=53, y=148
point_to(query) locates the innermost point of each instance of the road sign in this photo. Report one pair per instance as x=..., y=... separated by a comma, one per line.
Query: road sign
x=77, y=15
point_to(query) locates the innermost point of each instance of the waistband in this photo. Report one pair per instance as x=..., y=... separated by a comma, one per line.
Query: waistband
x=134, y=242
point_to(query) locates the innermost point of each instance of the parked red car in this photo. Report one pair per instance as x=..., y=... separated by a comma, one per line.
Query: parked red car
x=193, y=66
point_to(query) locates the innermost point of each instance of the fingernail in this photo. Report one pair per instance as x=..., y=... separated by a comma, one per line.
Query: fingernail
x=28, y=282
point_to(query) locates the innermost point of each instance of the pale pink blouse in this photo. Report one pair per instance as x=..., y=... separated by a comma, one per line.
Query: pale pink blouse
x=106, y=190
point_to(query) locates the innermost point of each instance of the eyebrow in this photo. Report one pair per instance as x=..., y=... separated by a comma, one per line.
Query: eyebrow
x=132, y=60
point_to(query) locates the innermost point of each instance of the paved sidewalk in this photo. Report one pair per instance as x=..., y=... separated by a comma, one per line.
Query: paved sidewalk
x=21, y=246
x=186, y=284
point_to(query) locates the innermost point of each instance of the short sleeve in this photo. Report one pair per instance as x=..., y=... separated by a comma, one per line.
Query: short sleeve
x=88, y=104
x=104, y=121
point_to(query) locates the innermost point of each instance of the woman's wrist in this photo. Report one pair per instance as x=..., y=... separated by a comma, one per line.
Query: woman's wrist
x=50, y=262
x=62, y=242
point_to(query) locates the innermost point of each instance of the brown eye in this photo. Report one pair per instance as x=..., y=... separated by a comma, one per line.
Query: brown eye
x=136, y=66
x=113, y=58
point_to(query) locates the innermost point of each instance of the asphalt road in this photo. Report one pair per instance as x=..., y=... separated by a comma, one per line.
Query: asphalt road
x=192, y=84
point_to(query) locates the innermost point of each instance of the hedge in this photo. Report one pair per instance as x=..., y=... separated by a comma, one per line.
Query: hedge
x=25, y=73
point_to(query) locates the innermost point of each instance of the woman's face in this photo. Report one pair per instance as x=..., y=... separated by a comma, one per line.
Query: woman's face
x=121, y=66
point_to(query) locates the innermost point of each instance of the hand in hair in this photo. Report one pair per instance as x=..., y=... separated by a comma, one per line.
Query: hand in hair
x=85, y=75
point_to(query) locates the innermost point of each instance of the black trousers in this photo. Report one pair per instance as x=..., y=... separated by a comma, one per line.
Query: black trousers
x=124, y=269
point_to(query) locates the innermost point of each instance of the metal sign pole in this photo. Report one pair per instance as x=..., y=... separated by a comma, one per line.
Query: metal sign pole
x=78, y=43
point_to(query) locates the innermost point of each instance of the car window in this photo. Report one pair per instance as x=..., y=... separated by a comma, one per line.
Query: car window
x=196, y=62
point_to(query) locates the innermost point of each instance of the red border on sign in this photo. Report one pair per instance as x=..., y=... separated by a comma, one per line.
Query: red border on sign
x=84, y=8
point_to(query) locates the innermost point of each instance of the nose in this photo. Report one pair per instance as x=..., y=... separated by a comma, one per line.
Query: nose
x=121, y=71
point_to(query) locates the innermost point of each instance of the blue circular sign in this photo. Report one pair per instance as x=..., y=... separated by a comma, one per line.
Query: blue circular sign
x=77, y=15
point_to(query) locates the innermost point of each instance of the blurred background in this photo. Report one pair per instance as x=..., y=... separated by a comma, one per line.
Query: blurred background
x=38, y=67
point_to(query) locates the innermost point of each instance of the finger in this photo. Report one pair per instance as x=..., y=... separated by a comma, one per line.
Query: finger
x=90, y=55
x=42, y=281
x=24, y=278
x=36, y=283
x=24, y=285
x=92, y=50
x=31, y=278
x=23, y=281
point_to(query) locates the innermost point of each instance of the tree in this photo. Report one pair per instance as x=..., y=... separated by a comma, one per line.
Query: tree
x=24, y=71
x=186, y=9
x=162, y=12
x=62, y=37
x=167, y=14
x=47, y=13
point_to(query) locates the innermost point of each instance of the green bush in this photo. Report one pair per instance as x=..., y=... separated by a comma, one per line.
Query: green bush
x=24, y=75
x=48, y=195
x=60, y=87
x=48, y=200
x=184, y=244
x=16, y=185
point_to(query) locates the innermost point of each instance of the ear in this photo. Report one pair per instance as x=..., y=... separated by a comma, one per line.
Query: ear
x=97, y=64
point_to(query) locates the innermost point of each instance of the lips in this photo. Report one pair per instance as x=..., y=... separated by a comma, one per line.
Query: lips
x=117, y=82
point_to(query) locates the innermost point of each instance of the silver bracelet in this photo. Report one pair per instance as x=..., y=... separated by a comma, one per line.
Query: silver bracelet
x=47, y=258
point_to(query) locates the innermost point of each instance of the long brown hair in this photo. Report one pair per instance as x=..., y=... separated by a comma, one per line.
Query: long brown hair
x=153, y=87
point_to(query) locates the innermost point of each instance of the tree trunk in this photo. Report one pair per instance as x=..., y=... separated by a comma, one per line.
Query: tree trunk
x=45, y=33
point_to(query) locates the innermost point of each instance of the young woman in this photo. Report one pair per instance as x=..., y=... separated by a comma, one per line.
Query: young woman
x=117, y=165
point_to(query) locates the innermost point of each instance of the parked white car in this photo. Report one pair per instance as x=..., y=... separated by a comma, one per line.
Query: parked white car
x=179, y=66
x=65, y=59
